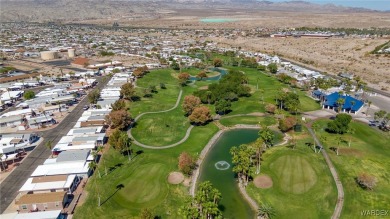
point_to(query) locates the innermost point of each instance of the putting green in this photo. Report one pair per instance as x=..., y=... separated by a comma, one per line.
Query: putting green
x=295, y=175
x=145, y=188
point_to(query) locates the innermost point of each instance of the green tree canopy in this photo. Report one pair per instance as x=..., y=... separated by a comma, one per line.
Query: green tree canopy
x=340, y=124
x=29, y=95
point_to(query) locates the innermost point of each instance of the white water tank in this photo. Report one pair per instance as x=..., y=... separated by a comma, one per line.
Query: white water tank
x=48, y=55
x=71, y=53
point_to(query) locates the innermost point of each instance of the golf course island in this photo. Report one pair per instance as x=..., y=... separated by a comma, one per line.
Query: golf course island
x=238, y=145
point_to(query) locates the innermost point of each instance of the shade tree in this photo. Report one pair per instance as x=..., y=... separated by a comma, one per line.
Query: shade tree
x=127, y=91
x=190, y=102
x=200, y=115
x=119, y=119
x=186, y=163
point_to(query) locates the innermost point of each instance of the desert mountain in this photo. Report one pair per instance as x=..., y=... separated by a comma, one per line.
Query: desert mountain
x=75, y=10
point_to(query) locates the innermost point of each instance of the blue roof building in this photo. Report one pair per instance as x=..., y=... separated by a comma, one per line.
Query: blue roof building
x=351, y=104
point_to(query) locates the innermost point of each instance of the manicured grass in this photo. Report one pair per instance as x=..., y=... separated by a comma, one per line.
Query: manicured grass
x=369, y=152
x=249, y=120
x=162, y=128
x=302, y=184
x=144, y=180
x=164, y=99
x=265, y=87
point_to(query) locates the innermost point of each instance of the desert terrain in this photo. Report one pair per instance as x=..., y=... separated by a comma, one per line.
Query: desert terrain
x=333, y=55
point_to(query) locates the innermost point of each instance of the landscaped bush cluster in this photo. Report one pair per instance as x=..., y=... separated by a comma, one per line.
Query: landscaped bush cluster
x=340, y=124
x=230, y=88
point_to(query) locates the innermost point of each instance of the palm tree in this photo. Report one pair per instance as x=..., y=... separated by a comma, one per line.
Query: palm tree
x=340, y=102
x=369, y=105
x=351, y=131
x=266, y=211
x=49, y=145
x=322, y=139
x=95, y=155
x=208, y=94
x=315, y=127
x=1, y=160
x=352, y=104
x=258, y=145
x=266, y=135
x=92, y=166
x=99, y=150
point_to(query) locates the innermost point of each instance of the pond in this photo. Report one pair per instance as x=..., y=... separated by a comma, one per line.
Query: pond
x=217, y=20
x=221, y=71
x=217, y=168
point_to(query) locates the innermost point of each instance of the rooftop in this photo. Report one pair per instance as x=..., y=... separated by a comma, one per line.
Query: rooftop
x=41, y=198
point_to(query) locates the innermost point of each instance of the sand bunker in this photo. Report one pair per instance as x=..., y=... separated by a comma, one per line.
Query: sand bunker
x=263, y=182
x=175, y=178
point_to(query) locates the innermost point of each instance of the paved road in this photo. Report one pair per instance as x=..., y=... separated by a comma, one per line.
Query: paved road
x=339, y=186
x=10, y=186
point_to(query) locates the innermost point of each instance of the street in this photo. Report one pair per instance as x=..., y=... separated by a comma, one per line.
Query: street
x=10, y=186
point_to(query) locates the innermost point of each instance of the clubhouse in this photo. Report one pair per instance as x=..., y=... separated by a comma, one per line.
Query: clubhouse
x=350, y=105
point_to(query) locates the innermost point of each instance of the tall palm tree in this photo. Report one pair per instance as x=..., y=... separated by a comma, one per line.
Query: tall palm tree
x=99, y=150
x=208, y=94
x=49, y=145
x=258, y=145
x=1, y=160
x=322, y=139
x=340, y=102
x=266, y=211
x=266, y=135
x=369, y=105
x=351, y=131
x=315, y=127
x=95, y=155
x=92, y=166
x=352, y=104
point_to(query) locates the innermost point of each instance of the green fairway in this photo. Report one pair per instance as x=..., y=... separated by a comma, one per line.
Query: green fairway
x=295, y=174
x=142, y=183
x=153, y=189
x=144, y=180
x=248, y=120
x=302, y=184
x=265, y=88
x=369, y=152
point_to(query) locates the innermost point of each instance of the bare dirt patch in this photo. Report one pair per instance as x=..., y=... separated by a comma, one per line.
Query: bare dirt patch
x=263, y=182
x=351, y=152
x=175, y=178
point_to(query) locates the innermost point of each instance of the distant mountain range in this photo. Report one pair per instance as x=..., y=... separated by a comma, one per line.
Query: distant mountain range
x=74, y=10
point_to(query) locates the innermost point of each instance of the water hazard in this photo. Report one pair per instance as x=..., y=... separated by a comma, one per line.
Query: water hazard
x=217, y=168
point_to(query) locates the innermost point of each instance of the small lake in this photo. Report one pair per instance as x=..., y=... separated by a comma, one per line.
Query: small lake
x=217, y=168
x=221, y=71
x=217, y=20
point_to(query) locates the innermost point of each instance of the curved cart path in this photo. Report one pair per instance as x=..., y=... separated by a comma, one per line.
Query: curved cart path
x=162, y=111
x=339, y=185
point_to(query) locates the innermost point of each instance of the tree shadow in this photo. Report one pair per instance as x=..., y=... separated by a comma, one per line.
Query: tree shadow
x=118, y=187
x=116, y=166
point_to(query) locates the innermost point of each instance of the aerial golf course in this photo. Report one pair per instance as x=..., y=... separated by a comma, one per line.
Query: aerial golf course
x=301, y=181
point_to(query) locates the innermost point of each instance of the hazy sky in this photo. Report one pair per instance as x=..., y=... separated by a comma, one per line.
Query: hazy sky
x=371, y=4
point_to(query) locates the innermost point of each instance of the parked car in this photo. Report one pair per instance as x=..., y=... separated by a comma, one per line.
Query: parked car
x=86, y=107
